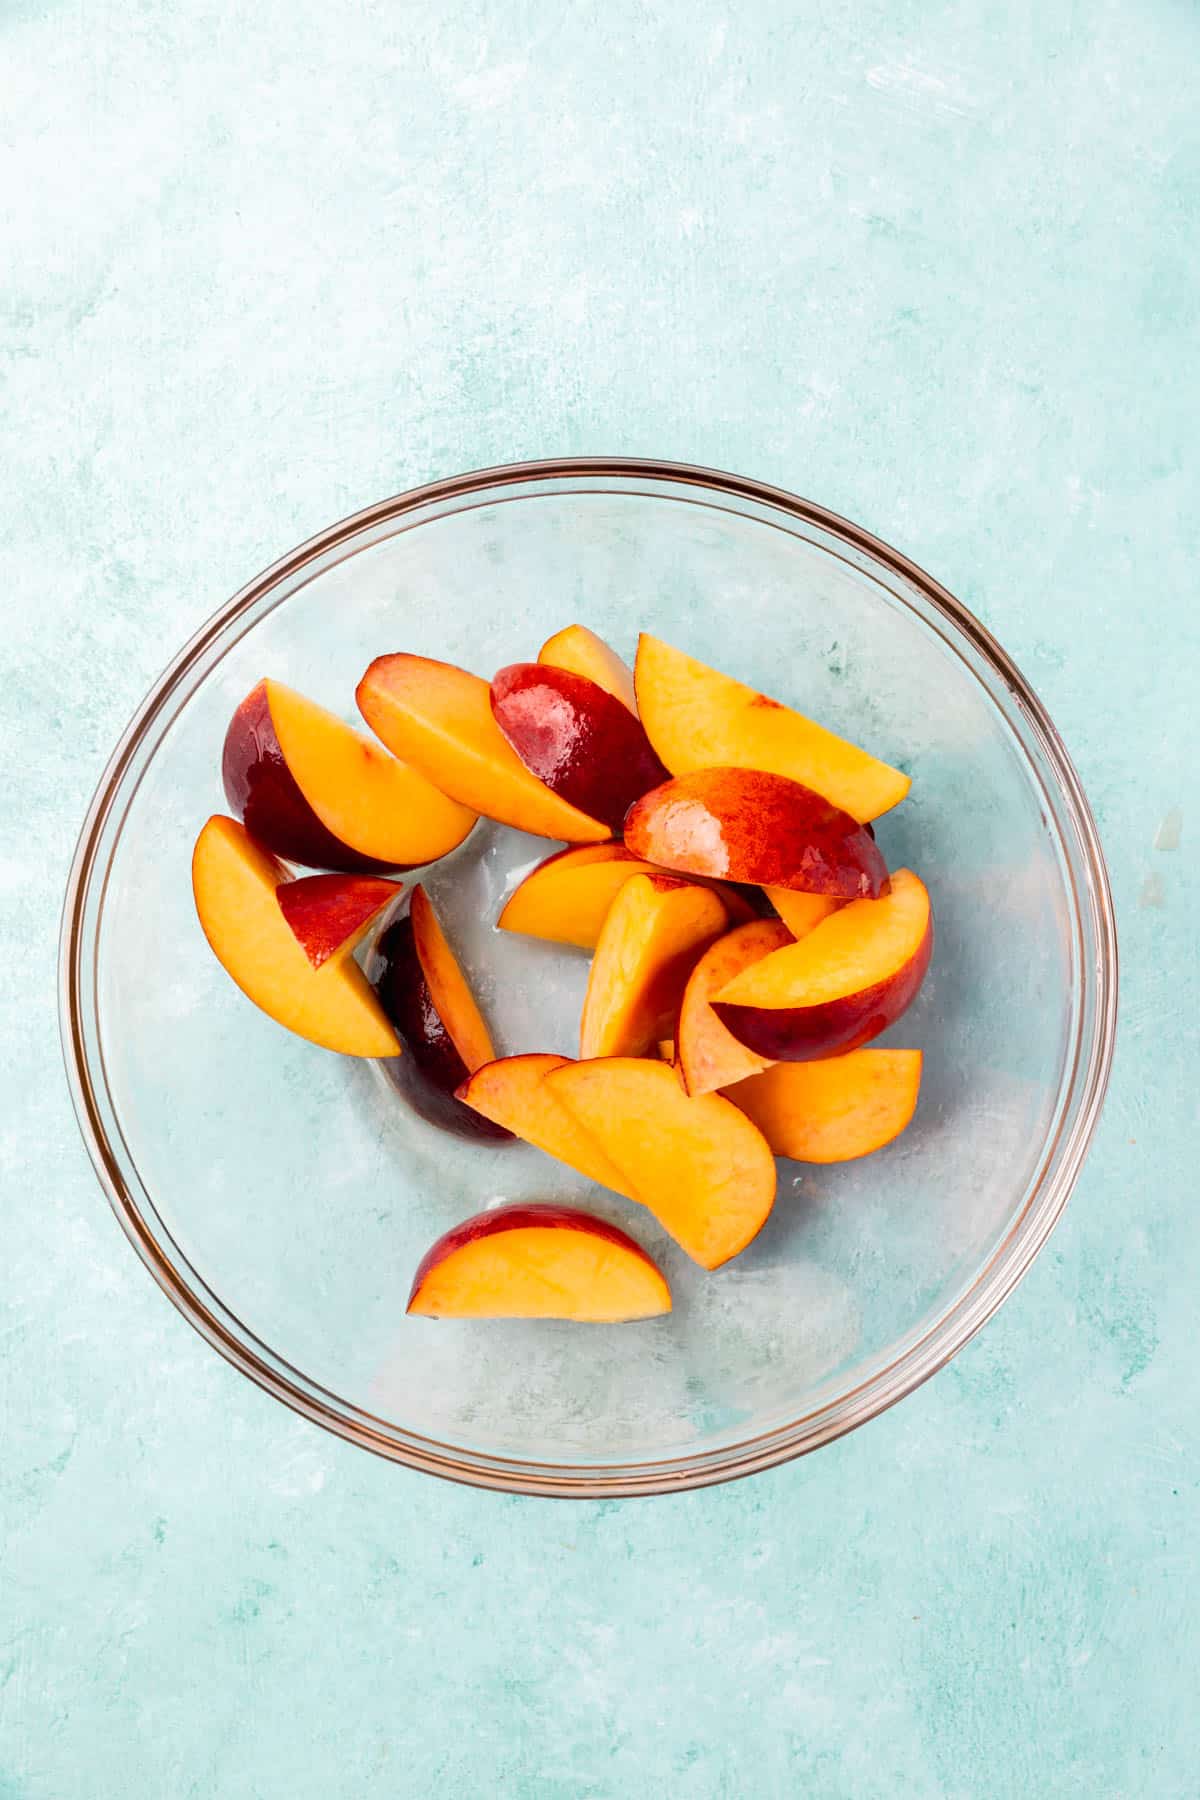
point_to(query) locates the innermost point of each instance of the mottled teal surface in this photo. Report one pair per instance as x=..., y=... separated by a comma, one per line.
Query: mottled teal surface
x=935, y=266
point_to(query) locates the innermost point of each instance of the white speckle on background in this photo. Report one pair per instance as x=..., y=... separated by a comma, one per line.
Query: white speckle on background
x=918, y=89
x=1170, y=831
x=301, y=1473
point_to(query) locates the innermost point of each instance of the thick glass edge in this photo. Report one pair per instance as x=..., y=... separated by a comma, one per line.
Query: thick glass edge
x=1097, y=945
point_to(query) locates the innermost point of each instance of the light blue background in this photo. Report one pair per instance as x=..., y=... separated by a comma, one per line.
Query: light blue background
x=935, y=266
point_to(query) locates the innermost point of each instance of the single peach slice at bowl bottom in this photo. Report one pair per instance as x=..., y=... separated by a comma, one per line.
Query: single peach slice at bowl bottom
x=425, y=994
x=576, y=738
x=438, y=718
x=328, y=913
x=313, y=790
x=566, y=898
x=512, y=1092
x=656, y=929
x=840, y=986
x=700, y=1165
x=580, y=650
x=697, y=718
x=538, y=1262
x=709, y=1057
x=836, y=1109
x=235, y=884
x=741, y=825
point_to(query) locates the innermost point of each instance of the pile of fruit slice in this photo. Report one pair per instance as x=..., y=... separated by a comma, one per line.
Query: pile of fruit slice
x=747, y=941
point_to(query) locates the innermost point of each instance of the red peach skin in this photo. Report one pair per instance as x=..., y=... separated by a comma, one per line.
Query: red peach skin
x=328, y=913
x=425, y=995
x=576, y=738
x=438, y=718
x=312, y=790
x=262, y=791
x=840, y=986
x=742, y=825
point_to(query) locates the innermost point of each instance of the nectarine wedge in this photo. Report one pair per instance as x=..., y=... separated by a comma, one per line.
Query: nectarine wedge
x=567, y=897
x=448, y=987
x=425, y=994
x=697, y=718
x=709, y=1057
x=655, y=930
x=840, y=986
x=576, y=738
x=538, y=1262
x=234, y=882
x=439, y=719
x=741, y=825
x=700, y=1165
x=512, y=1092
x=580, y=650
x=836, y=1109
x=801, y=913
x=328, y=913
x=313, y=790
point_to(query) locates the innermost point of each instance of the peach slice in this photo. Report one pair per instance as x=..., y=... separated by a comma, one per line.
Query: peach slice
x=801, y=913
x=576, y=738
x=697, y=718
x=439, y=719
x=234, y=883
x=313, y=790
x=447, y=986
x=741, y=825
x=700, y=1165
x=538, y=1262
x=708, y=1056
x=656, y=929
x=425, y=995
x=333, y=912
x=834, y=1110
x=580, y=650
x=840, y=986
x=512, y=1092
x=567, y=897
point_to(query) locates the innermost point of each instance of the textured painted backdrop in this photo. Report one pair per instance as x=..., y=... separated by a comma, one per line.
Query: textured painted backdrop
x=935, y=265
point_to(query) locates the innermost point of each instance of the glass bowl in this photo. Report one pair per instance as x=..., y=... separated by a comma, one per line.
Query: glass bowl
x=283, y=1196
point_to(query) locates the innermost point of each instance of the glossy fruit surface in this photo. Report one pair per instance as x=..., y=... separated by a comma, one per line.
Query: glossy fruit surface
x=576, y=738
x=742, y=825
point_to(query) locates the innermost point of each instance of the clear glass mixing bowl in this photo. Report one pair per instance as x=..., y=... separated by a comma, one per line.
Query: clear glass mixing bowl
x=283, y=1196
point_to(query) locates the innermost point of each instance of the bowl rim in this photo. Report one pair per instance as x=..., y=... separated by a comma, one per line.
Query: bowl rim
x=918, y=1360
